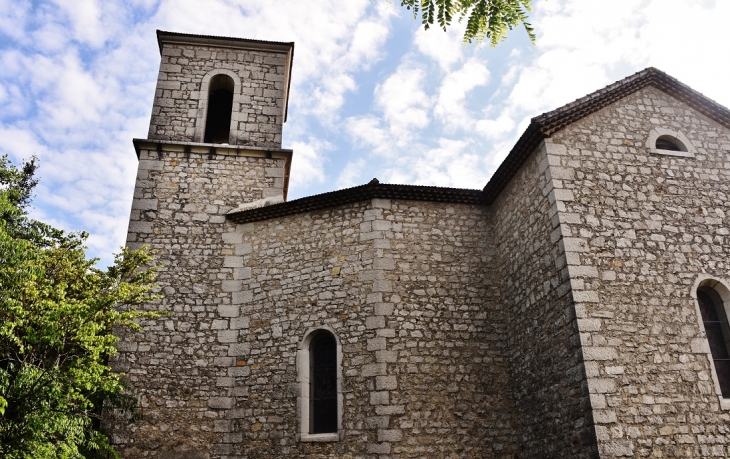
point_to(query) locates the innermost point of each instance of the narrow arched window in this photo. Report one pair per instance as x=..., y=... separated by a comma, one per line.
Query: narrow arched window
x=220, y=104
x=667, y=142
x=715, y=321
x=323, y=383
x=319, y=374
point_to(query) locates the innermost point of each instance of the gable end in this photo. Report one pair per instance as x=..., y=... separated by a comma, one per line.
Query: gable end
x=549, y=123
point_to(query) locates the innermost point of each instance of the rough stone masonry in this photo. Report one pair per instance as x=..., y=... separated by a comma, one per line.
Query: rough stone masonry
x=552, y=314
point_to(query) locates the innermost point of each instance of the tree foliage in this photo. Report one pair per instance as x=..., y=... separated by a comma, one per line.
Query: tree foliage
x=57, y=311
x=485, y=19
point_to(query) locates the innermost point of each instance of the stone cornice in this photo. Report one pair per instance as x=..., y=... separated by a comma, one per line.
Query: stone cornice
x=223, y=42
x=217, y=149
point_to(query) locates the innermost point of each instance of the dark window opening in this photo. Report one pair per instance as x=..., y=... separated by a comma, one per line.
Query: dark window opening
x=323, y=383
x=667, y=142
x=718, y=335
x=220, y=104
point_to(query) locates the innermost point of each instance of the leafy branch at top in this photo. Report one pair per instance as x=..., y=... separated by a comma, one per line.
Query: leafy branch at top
x=486, y=20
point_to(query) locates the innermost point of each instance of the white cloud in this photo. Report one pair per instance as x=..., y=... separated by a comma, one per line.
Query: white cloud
x=404, y=102
x=351, y=174
x=446, y=48
x=13, y=18
x=448, y=164
x=92, y=23
x=583, y=46
x=12, y=103
x=327, y=98
x=403, y=111
x=19, y=144
x=78, y=97
x=495, y=128
x=696, y=56
x=308, y=162
x=450, y=107
x=367, y=42
x=540, y=89
x=51, y=37
x=368, y=130
x=11, y=63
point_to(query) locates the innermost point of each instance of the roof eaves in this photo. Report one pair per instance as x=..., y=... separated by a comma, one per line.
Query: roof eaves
x=360, y=193
x=526, y=144
x=559, y=118
x=219, y=41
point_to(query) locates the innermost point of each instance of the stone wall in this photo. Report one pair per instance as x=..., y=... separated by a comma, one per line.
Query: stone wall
x=545, y=359
x=559, y=322
x=181, y=96
x=644, y=229
x=179, y=211
x=410, y=290
x=444, y=336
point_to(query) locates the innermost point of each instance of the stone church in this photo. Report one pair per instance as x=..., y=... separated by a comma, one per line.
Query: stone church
x=573, y=308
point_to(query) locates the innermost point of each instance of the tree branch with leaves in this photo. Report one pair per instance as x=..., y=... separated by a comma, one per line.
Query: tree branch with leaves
x=486, y=20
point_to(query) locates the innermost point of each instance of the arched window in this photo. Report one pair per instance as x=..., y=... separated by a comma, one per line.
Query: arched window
x=715, y=322
x=323, y=383
x=319, y=369
x=667, y=142
x=220, y=104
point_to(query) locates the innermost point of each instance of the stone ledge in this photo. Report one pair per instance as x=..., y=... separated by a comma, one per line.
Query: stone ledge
x=208, y=148
x=321, y=438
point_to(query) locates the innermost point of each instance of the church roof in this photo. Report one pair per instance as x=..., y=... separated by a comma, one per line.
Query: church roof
x=164, y=36
x=371, y=190
x=549, y=123
x=541, y=127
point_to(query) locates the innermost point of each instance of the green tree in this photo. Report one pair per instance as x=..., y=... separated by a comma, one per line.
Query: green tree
x=485, y=19
x=57, y=312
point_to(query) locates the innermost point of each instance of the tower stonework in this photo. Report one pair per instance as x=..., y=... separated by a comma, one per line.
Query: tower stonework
x=260, y=72
x=183, y=190
x=552, y=314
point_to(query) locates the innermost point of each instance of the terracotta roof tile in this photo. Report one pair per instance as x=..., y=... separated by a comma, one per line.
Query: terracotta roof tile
x=365, y=192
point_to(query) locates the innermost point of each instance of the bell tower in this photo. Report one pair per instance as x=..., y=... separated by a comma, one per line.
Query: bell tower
x=214, y=140
x=221, y=90
x=214, y=144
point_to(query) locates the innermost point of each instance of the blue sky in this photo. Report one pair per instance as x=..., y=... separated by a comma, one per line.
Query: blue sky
x=372, y=95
